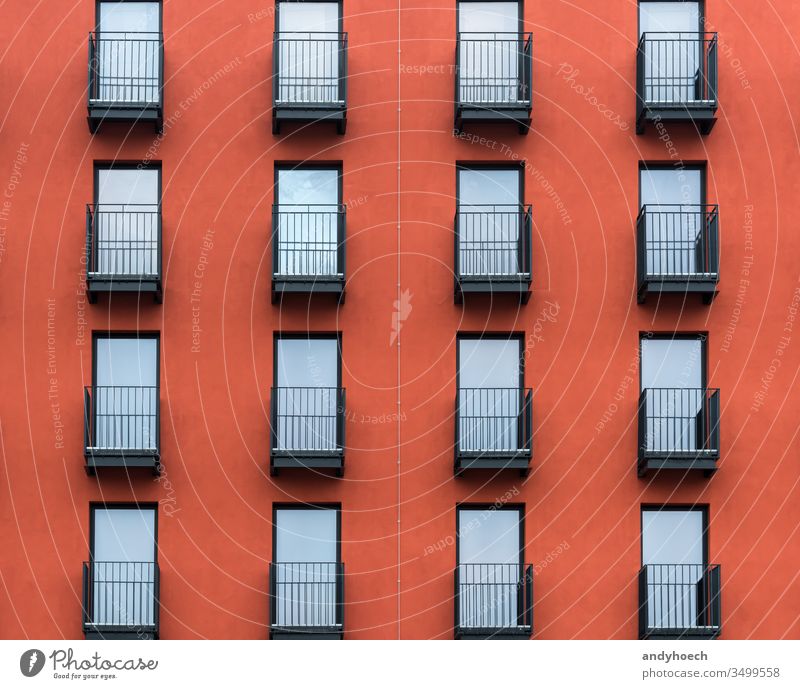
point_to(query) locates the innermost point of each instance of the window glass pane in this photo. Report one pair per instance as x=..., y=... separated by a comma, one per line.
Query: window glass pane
x=125, y=242
x=306, y=535
x=311, y=362
x=308, y=53
x=489, y=570
x=127, y=361
x=669, y=16
x=490, y=363
x=125, y=394
x=127, y=53
x=306, y=591
x=668, y=363
x=489, y=218
x=674, y=219
x=673, y=553
x=490, y=52
x=122, y=570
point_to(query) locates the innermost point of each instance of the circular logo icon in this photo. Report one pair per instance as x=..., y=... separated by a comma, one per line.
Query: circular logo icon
x=31, y=662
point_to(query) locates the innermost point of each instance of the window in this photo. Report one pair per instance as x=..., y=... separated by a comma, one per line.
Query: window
x=308, y=217
x=306, y=569
x=673, y=382
x=674, y=555
x=125, y=222
x=490, y=220
x=309, y=52
x=674, y=45
x=490, y=567
x=490, y=52
x=123, y=567
x=125, y=392
x=489, y=393
x=673, y=206
x=127, y=60
x=307, y=379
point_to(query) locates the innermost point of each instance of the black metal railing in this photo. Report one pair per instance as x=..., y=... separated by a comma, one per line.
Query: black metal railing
x=126, y=68
x=493, y=241
x=121, y=597
x=306, y=595
x=679, y=422
x=677, y=69
x=121, y=418
x=494, y=421
x=123, y=241
x=307, y=420
x=493, y=597
x=309, y=69
x=678, y=242
x=679, y=600
x=494, y=69
x=308, y=241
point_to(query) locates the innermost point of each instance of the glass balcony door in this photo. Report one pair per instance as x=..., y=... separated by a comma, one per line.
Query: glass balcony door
x=489, y=394
x=673, y=378
x=306, y=564
x=126, y=222
x=490, y=50
x=125, y=393
x=675, y=220
x=307, y=379
x=673, y=550
x=308, y=52
x=127, y=53
x=307, y=214
x=489, y=218
x=673, y=51
x=123, y=567
x=489, y=567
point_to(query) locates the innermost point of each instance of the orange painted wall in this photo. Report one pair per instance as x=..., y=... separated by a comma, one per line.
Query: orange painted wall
x=218, y=159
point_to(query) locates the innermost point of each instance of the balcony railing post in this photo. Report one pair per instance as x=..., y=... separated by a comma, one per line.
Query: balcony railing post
x=457, y=598
x=340, y=420
x=156, y=596
x=341, y=254
x=88, y=416
x=643, y=603
x=528, y=618
x=87, y=601
x=340, y=594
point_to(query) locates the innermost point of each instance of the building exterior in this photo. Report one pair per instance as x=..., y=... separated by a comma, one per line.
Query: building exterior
x=370, y=321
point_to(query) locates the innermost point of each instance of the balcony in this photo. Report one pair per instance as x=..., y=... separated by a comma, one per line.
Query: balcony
x=306, y=600
x=121, y=427
x=678, y=429
x=309, y=78
x=677, y=251
x=308, y=250
x=126, y=78
x=493, y=251
x=120, y=600
x=679, y=602
x=493, y=601
x=307, y=429
x=676, y=80
x=123, y=250
x=494, y=429
x=493, y=79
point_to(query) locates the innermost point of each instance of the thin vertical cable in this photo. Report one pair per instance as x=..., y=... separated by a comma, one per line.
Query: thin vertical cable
x=399, y=329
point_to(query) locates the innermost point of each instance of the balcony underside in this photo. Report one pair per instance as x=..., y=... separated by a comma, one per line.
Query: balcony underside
x=307, y=459
x=701, y=115
x=500, y=633
x=519, y=460
x=119, y=633
x=682, y=633
x=307, y=113
x=698, y=460
x=332, y=633
x=324, y=284
x=487, y=113
x=519, y=285
x=101, y=112
x=705, y=286
x=102, y=458
x=139, y=284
